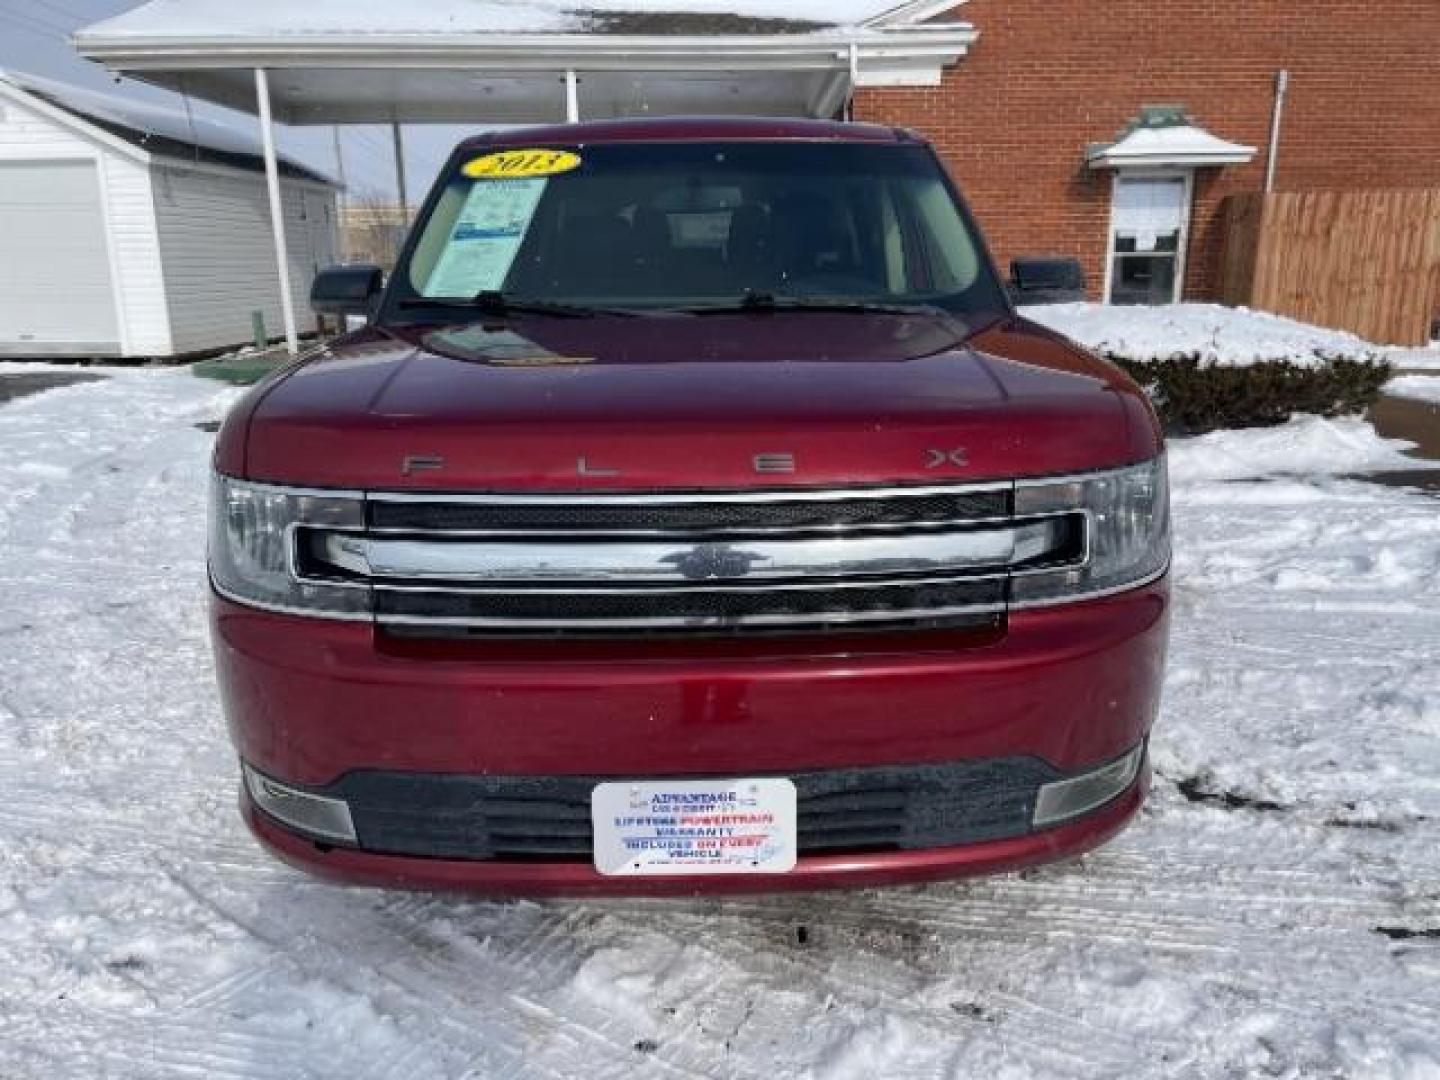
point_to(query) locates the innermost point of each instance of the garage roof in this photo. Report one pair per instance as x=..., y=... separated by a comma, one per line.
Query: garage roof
x=155, y=129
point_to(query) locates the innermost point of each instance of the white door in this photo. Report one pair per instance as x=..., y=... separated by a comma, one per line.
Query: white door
x=1149, y=232
x=56, y=293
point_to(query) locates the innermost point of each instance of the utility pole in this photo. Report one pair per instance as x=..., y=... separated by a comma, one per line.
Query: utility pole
x=342, y=251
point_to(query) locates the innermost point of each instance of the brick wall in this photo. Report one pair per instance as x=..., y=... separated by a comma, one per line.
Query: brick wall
x=1049, y=76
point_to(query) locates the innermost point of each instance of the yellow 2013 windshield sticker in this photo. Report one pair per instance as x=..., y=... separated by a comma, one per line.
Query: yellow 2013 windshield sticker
x=517, y=164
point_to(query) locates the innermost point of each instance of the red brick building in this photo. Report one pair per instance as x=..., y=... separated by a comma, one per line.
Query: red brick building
x=1046, y=78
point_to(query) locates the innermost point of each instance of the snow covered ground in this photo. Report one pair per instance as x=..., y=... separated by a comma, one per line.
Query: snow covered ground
x=1305, y=446
x=1220, y=336
x=1426, y=359
x=1420, y=387
x=1275, y=911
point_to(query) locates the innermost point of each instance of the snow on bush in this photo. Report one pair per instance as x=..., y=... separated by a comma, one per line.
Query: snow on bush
x=1216, y=336
x=1209, y=367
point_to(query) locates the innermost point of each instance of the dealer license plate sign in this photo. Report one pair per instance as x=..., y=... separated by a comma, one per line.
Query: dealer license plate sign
x=694, y=827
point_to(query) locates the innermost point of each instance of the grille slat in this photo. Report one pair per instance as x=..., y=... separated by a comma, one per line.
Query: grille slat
x=688, y=514
x=857, y=801
x=816, y=825
x=578, y=837
x=538, y=846
x=697, y=606
x=852, y=840
x=530, y=809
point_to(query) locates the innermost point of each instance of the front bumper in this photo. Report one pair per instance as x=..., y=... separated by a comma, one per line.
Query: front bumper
x=310, y=702
x=810, y=873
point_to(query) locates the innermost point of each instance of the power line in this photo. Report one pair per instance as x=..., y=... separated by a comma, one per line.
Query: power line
x=38, y=29
x=38, y=33
x=373, y=150
x=357, y=137
x=368, y=146
x=60, y=9
x=39, y=20
x=371, y=139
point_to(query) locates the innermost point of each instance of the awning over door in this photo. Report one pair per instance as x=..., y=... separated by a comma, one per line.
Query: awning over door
x=1165, y=136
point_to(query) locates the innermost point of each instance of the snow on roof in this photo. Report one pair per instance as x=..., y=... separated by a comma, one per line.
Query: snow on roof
x=155, y=128
x=343, y=59
x=268, y=18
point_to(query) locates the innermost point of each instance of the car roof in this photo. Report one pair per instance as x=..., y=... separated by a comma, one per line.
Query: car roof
x=694, y=129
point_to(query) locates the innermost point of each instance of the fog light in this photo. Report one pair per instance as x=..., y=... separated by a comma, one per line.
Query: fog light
x=1069, y=798
x=316, y=815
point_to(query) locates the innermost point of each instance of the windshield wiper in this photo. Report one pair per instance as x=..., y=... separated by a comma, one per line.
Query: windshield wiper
x=491, y=302
x=754, y=300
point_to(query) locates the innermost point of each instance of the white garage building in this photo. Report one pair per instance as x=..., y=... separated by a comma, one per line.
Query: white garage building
x=129, y=230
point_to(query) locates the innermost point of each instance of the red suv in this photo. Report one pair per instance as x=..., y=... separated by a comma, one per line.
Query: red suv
x=694, y=513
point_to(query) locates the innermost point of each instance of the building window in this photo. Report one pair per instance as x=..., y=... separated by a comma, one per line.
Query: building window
x=1149, y=230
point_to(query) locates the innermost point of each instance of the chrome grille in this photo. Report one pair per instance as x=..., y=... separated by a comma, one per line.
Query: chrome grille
x=709, y=562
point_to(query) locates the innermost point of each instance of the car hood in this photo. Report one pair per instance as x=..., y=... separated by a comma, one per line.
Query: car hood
x=729, y=401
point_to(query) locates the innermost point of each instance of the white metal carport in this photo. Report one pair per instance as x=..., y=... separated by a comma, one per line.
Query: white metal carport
x=492, y=62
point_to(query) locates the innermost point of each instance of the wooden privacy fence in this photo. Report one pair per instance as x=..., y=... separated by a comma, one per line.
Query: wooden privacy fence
x=1363, y=261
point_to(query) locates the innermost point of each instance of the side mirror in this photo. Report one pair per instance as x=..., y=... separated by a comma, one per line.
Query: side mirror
x=347, y=290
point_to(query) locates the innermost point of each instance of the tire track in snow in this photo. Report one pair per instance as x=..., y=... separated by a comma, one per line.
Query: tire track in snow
x=534, y=971
x=1074, y=908
x=410, y=971
x=878, y=980
x=298, y=955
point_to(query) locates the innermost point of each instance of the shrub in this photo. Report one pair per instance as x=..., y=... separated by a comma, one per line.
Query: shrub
x=1195, y=398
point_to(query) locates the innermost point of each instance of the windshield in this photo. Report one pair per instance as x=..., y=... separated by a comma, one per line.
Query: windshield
x=698, y=225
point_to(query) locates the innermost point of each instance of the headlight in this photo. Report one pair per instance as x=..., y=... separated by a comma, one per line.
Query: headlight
x=254, y=545
x=1127, y=532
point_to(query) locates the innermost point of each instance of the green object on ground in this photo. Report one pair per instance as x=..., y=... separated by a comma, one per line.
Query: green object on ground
x=240, y=370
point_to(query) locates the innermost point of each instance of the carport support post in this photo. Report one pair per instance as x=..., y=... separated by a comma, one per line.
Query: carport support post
x=400, y=192
x=572, y=98
x=277, y=211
